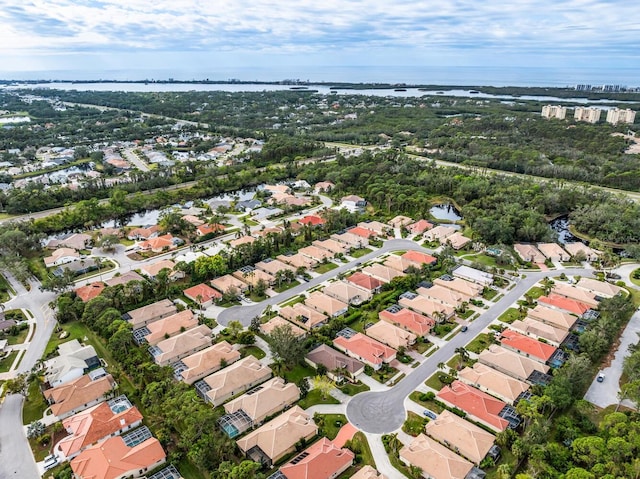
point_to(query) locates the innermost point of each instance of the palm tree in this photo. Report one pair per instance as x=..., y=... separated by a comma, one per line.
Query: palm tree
x=464, y=356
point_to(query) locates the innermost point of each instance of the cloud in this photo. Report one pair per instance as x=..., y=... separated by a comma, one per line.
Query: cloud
x=47, y=27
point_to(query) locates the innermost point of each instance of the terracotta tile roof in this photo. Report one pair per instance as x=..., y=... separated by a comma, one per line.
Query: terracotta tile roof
x=391, y=335
x=150, y=313
x=368, y=472
x=362, y=232
x=144, y=232
x=90, y=291
x=226, y=282
x=566, y=304
x=435, y=460
x=365, y=349
x=538, y=329
x=510, y=362
x=326, y=304
x=303, y=315
x=382, y=272
x=475, y=403
x=112, y=459
x=312, y=220
x=96, y=423
x=153, y=269
x=419, y=257
x=170, y=326
x=465, y=438
x=427, y=306
x=493, y=381
x=208, y=361
x=271, y=397
x=158, y=243
x=204, y=230
x=236, y=378
x=242, y=240
x=553, y=317
x=578, y=294
x=75, y=394
x=177, y=347
x=205, y=292
x=322, y=460
x=457, y=240
x=277, y=321
x=600, y=288
x=419, y=226
x=407, y=319
x=365, y=281
x=527, y=346
x=124, y=278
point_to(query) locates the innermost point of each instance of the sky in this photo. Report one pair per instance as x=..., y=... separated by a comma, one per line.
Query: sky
x=231, y=35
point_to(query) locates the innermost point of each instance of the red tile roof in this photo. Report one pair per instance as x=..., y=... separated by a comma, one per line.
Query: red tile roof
x=407, y=319
x=526, y=345
x=419, y=257
x=365, y=281
x=206, y=293
x=475, y=403
x=210, y=228
x=420, y=226
x=312, y=220
x=90, y=291
x=323, y=460
x=370, y=350
x=362, y=232
x=560, y=302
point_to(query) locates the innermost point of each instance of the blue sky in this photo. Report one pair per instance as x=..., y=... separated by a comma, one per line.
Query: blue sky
x=85, y=35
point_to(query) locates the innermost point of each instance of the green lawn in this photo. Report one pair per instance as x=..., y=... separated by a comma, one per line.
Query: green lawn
x=414, y=424
x=382, y=376
x=421, y=346
x=188, y=470
x=285, y=286
x=429, y=404
x=255, y=351
x=480, y=343
x=510, y=315
x=256, y=299
x=314, y=397
x=298, y=372
x=7, y=361
x=535, y=292
x=330, y=424
x=325, y=267
x=489, y=294
x=632, y=276
x=18, y=338
x=359, y=443
x=5, y=287
x=353, y=389
x=454, y=362
x=34, y=404
x=294, y=300
x=359, y=253
x=434, y=382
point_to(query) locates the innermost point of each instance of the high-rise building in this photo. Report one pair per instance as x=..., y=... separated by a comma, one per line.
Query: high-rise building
x=615, y=116
x=590, y=115
x=554, y=111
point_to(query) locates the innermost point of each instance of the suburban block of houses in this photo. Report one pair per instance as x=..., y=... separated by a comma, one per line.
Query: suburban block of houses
x=170, y=326
x=391, y=335
x=207, y=361
x=304, y=316
x=363, y=348
x=148, y=314
x=494, y=382
x=234, y=379
x=77, y=395
x=173, y=349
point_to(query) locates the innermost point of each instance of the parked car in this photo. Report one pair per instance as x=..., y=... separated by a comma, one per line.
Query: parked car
x=430, y=414
x=464, y=329
x=600, y=377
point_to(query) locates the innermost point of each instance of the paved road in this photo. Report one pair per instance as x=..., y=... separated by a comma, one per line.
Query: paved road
x=131, y=157
x=16, y=459
x=383, y=412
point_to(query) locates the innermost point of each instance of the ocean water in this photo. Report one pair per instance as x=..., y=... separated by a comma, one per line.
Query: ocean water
x=423, y=75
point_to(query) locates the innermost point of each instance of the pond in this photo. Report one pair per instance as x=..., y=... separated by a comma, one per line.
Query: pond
x=445, y=212
x=561, y=227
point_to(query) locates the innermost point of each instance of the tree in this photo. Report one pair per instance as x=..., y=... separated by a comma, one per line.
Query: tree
x=244, y=470
x=324, y=385
x=234, y=327
x=260, y=288
x=59, y=283
x=17, y=385
x=285, y=346
x=631, y=391
x=463, y=356
x=35, y=429
x=108, y=243
x=303, y=386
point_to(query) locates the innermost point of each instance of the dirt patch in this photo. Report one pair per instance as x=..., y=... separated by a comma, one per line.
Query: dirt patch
x=135, y=257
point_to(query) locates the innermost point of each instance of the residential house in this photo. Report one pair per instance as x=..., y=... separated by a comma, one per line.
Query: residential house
x=366, y=282
x=538, y=330
x=368, y=472
x=248, y=205
x=148, y=314
x=457, y=241
x=87, y=292
x=298, y=260
x=528, y=347
x=234, y=243
x=439, y=233
x=61, y=256
x=77, y=395
x=114, y=459
x=391, y=335
x=399, y=221
x=265, y=213
x=6, y=324
x=578, y=294
x=473, y=275
x=400, y=264
x=478, y=405
x=562, y=303
x=347, y=292
x=323, y=187
x=170, y=326
x=211, y=228
x=312, y=220
x=365, y=233
x=554, y=252
x=159, y=243
x=73, y=360
x=151, y=270
x=315, y=253
x=363, y=348
x=277, y=438
x=77, y=267
x=321, y=460
x=266, y=400
x=123, y=278
x=381, y=272
x=339, y=366
x=419, y=258
x=277, y=321
x=419, y=227
x=227, y=283
x=232, y=380
x=494, y=382
x=273, y=189
x=76, y=241
x=202, y=294
x=96, y=424
x=353, y=203
x=264, y=232
x=409, y=320
x=304, y=316
x=252, y=276
x=465, y=288
x=434, y=460
x=602, y=289
x=326, y=304
x=191, y=219
x=381, y=230
x=529, y=253
x=145, y=233
x=581, y=249
x=272, y=266
x=442, y=295
x=553, y=317
x=184, y=344
x=463, y=437
x=332, y=246
x=352, y=241
x=512, y=363
x=426, y=306
x=205, y=362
